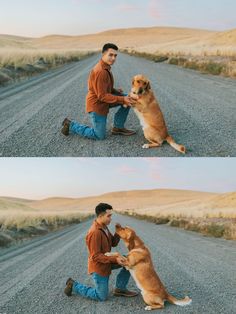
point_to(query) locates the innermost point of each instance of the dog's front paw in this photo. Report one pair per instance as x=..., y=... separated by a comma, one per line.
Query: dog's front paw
x=148, y=308
x=111, y=254
x=108, y=254
x=145, y=146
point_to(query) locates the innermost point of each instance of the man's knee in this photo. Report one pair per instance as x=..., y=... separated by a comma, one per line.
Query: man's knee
x=102, y=296
x=100, y=136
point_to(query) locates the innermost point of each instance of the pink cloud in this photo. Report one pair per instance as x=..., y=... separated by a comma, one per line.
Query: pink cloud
x=125, y=169
x=127, y=7
x=153, y=9
x=85, y=1
x=154, y=167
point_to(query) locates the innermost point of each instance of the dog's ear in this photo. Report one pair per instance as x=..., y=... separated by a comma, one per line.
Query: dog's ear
x=148, y=86
x=129, y=234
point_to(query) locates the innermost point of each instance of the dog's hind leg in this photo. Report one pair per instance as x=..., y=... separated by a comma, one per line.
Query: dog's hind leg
x=153, y=301
x=153, y=307
x=154, y=139
x=150, y=145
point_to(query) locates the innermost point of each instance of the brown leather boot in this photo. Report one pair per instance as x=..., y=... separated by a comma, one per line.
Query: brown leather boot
x=124, y=293
x=69, y=285
x=66, y=126
x=126, y=132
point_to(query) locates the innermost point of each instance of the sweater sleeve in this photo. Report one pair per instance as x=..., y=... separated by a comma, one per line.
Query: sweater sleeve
x=95, y=244
x=115, y=239
x=116, y=92
x=102, y=84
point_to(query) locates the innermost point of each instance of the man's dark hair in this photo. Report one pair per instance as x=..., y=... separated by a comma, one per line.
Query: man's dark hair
x=101, y=208
x=108, y=46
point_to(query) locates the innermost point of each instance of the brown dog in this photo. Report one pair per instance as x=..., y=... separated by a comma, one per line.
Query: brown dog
x=149, y=113
x=140, y=265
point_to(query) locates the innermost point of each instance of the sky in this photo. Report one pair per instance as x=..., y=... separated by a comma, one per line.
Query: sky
x=38, y=178
x=36, y=18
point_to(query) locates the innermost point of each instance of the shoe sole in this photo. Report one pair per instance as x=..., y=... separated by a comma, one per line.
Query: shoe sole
x=64, y=133
x=124, y=295
x=125, y=134
x=67, y=293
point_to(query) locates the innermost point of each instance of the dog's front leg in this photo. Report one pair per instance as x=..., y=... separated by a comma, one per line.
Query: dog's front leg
x=117, y=254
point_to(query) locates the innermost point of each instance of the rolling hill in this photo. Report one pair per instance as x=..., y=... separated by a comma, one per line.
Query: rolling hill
x=161, y=201
x=149, y=39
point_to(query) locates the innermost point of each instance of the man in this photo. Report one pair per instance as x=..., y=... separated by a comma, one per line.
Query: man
x=99, y=241
x=101, y=96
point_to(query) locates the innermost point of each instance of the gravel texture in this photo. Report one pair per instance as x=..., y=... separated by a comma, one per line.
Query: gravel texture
x=200, y=111
x=33, y=274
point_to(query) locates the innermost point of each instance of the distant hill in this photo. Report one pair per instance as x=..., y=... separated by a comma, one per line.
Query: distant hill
x=160, y=200
x=149, y=39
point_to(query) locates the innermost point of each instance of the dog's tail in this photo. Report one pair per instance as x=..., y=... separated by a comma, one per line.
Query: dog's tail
x=178, y=147
x=181, y=302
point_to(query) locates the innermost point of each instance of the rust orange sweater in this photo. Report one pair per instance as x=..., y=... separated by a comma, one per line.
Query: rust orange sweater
x=100, y=90
x=99, y=242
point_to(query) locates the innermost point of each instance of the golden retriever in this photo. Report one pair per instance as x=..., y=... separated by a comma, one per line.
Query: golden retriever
x=139, y=263
x=149, y=113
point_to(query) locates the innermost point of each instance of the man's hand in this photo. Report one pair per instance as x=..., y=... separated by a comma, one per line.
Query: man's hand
x=128, y=101
x=121, y=260
x=133, y=96
x=120, y=90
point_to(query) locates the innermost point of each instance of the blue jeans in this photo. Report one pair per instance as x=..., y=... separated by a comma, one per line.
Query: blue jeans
x=100, y=292
x=98, y=129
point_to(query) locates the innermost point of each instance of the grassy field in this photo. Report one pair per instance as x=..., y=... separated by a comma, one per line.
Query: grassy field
x=18, y=63
x=216, y=62
x=203, y=50
x=24, y=222
x=212, y=214
x=218, y=225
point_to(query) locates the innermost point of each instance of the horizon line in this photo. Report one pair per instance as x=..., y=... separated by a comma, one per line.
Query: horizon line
x=113, y=29
x=117, y=191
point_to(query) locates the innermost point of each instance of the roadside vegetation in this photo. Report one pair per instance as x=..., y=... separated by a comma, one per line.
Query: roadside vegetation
x=17, y=64
x=217, y=63
x=18, y=226
x=218, y=226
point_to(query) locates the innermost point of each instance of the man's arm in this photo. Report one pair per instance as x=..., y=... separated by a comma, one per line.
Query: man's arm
x=102, y=83
x=94, y=246
x=118, y=92
x=115, y=239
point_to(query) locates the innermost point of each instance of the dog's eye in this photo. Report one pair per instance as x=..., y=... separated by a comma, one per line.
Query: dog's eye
x=138, y=81
x=145, y=83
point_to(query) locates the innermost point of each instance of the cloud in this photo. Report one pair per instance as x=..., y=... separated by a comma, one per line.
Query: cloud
x=87, y=1
x=127, y=7
x=153, y=10
x=125, y=169
x=154, y=171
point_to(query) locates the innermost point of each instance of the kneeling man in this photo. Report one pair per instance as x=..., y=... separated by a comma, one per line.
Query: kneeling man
x=99, y=241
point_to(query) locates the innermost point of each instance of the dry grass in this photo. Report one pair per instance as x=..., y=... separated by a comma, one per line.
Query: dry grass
x=21, y=57
x=23, y=224
x=215, y=226
x=215, y=62
x=18, y=63
x=207, y=51
x=18, y=220
x=193, y=210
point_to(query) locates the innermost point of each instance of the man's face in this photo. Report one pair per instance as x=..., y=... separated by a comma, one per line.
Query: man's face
x=109, y=56
x=106, y=217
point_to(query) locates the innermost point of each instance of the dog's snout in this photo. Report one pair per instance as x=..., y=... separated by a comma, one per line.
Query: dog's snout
x=118, y=226
x=140, y=90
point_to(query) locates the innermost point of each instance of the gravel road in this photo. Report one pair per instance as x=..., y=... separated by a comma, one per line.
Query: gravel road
x=33, y=274
x=200, y=111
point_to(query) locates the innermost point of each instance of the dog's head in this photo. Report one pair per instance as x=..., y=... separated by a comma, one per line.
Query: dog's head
x=140, y=84
x=126, y=233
